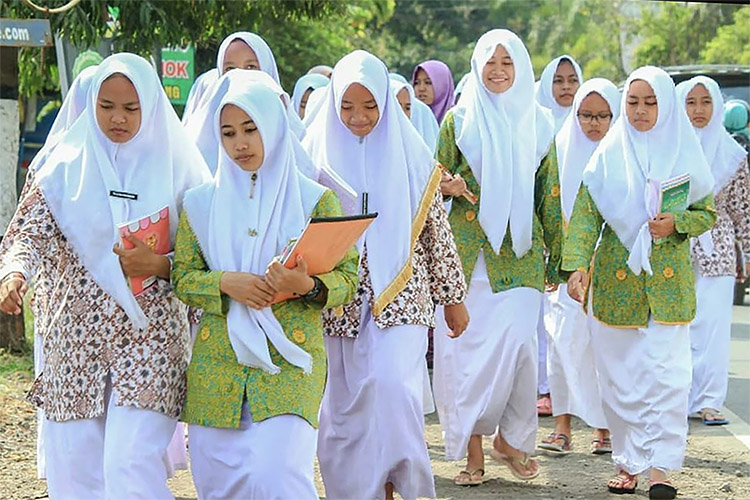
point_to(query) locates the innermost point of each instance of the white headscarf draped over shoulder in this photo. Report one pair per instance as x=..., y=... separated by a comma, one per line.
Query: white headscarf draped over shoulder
x=158, y=164
x=626, y=161
x=72, y=108
x=198, y=92
x=724, y=154
x=391, y=164
x=544, y=95
x=305, y=83
x=573, y=148
x=422, y=116
x=496, y=133
x=222, y=214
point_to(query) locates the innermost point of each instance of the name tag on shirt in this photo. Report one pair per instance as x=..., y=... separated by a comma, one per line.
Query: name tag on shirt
x=124, y=195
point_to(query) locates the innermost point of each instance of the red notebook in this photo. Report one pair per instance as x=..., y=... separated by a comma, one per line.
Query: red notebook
x=323, y=244
x=153, y=230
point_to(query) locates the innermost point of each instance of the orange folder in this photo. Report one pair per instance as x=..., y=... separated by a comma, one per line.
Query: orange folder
x=323, y=243
x=153, y=230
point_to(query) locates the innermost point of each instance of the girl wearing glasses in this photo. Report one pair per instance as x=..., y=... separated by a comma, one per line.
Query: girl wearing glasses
x=572, y=377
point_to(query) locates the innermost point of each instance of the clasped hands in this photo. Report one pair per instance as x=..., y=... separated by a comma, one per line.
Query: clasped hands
x=258, y=292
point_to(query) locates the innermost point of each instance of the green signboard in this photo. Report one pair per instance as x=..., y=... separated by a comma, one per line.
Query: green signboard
x=177, y=72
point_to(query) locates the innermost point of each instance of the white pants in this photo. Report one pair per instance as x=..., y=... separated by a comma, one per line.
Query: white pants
x=542, y=340
x=371, y=419
x=269, y=460
x=644, y=376
x=486, y=379
x=573, y=379
x=710, y=335
x=115, y=456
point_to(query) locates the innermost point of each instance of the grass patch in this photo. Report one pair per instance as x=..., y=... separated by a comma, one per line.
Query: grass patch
x=21, y=363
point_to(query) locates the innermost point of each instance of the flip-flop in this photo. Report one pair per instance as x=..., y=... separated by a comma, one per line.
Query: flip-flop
x=601, y=446
x=661, y=491
x=509, y=461
x=470, y=482
x=620, y=490
x=710, y=412
x=550, y=444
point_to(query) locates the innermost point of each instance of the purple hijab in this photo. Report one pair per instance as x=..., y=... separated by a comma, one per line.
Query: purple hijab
x=442, y=84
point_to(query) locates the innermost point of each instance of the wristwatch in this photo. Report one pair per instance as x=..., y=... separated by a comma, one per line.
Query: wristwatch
x=317, y=287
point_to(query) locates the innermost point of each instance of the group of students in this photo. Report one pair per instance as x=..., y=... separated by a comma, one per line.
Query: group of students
x=501, y=208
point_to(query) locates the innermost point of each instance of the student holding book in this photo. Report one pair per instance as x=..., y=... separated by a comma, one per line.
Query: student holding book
x=485, y=381
x=715, y=253
x=110, y=410
x=642, y=295
x=372, y=430
x=258, y=369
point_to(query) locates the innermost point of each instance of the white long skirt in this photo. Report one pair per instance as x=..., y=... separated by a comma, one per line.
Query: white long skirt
x=268, y=460
x=486, y=379
x=710, y=335
x=117, y=455
x=573, y=379
x=542, y=334
x=371, y=418
x=644, y=377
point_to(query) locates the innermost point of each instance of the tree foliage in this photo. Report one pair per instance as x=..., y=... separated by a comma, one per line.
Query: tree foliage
x=732, y=42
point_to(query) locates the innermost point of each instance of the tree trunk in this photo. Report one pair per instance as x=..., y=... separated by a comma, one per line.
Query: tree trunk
x=11, y=327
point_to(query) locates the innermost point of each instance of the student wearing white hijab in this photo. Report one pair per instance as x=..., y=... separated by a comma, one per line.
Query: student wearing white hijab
x=303, y=88
x=314, y=104
x=485, y=381
x=642, y=296
x=245, y=50
x=126, y=158
x=258, y=370
x=460, y=88
x=554, y=95
x=557, y=87
x=201, y=88
x=371, y=424
x=572, y=374
x=420, y=114
x=714, y=252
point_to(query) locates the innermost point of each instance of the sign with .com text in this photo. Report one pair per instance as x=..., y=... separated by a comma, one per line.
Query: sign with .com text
x=177, y=72
x=25, y=33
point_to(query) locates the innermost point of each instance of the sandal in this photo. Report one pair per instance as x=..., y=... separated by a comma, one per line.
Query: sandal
x=710, y=416
x=544, y=406
x=470, y=474
x=601, y=446
x=623, y=484
x=511, y=462
x=550, y=444
x=661, y=490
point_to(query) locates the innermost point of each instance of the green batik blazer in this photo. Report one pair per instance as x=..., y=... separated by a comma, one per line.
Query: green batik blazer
x=549, y=208
x=216, y=383
x=505, y=270
x=621, y=298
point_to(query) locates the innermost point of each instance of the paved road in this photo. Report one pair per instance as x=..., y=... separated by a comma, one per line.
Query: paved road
x=738, y=397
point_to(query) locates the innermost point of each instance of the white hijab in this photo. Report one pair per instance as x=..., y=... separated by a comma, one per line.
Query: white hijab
x=314, y=104
x=422, y=116
x=573, y=148
x=267, y=64
x=158, y=164
x=391, y=164
x=305, y=83
x=200, y=89
x=724, y=154
x=544, y=94
x=72, y=107
x=496, y=133
x=620, y=172
x=221, y=212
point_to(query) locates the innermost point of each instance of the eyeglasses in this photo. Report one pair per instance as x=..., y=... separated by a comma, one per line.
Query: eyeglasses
x=588, y=117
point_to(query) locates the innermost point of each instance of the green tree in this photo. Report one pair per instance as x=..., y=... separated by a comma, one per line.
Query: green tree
x=732, y=42
x=676, y=33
